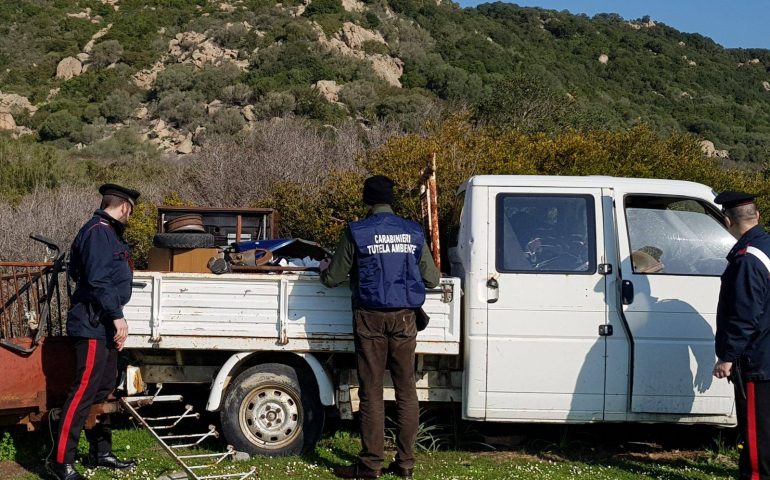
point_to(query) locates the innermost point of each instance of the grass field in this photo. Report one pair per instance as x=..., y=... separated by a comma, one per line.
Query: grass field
x=479, y=452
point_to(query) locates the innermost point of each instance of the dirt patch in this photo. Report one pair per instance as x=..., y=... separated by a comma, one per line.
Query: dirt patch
x=12, y=470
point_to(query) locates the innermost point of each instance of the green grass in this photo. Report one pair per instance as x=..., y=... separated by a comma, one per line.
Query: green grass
x=590, y=457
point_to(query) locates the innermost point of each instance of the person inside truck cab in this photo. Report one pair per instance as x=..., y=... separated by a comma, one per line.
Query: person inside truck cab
x=390, y=266
x=101, y=266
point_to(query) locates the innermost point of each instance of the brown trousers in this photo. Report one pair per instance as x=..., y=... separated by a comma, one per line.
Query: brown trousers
x=386, y=340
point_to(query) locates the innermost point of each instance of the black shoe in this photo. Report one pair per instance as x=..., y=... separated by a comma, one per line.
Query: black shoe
x=356, y=471
x=109, y=460
x=65, y=471
x=394, y=469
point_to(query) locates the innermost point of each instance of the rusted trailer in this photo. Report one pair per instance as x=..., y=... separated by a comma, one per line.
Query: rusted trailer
x=36, y=361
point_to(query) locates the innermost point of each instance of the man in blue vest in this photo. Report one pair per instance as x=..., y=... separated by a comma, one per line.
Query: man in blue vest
x=100, y=263
x=389, y=266
x=743, y=330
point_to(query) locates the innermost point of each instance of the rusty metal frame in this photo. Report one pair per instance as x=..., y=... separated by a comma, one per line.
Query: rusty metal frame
x=22, y=298
x=429, y=208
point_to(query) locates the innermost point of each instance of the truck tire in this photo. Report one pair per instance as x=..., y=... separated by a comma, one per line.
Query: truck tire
x=273, y=410
x=184, y=240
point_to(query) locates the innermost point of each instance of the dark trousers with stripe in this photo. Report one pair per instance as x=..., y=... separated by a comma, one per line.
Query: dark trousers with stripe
x=95, y=378
x=754, y=426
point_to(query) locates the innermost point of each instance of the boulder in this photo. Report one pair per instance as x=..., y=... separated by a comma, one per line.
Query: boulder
x=10, y=102
x=185, y=147
x=248, y=113
x=354, y=36
x=707, y=146
x=68, y=67
x=328, y=89
x=353, y=5
x=766, y=85
x=754, y=61
x=603, y=59
x=7, y=122
x=388, y=68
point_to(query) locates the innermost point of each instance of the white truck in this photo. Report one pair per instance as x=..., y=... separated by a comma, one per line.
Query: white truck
x=570, y=300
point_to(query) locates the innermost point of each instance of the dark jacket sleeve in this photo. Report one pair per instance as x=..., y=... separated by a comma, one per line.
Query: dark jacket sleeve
x=430, y=274
x=744, y=318
x=341, y=262
x=97, y=257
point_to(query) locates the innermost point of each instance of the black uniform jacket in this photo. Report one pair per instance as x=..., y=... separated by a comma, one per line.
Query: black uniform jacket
x=743, y=317
x=100, y=263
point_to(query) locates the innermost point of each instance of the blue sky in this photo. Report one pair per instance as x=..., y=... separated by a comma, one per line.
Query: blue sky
x=737, y=23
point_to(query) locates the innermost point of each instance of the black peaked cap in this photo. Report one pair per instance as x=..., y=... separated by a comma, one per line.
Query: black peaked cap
x=118, y=191
x=731, y=199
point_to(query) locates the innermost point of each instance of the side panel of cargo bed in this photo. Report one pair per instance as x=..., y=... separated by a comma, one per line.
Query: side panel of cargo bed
x=265, y=312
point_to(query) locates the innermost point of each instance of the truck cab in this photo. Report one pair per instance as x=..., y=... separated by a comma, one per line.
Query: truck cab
x=590, y=299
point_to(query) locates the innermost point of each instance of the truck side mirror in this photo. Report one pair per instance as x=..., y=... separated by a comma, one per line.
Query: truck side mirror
x=627, y=292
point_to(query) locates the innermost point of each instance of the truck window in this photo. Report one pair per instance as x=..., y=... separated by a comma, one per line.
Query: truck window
x=676, y=236
x=545, y=234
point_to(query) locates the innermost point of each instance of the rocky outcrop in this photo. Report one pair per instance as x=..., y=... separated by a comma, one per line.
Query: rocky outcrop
x=353, y=5
x=96, y=36
x=195, y=48
x=349, y=41
x=7, y=122
x=68, y=67
x=146, y=78
x=328, y=89
x=707, y=146
x=11, y=102
x=766, y=85
x=354, y=36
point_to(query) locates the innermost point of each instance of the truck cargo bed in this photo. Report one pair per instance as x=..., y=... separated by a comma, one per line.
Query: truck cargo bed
x=265, y=312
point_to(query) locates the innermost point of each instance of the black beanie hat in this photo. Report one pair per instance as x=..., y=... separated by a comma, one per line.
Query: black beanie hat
x=378, y=189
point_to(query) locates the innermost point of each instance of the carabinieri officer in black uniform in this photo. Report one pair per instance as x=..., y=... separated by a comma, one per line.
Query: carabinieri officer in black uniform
x=100, y=263
x=743, y=330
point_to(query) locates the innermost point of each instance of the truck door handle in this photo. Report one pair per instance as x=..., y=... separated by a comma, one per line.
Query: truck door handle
x=605, y=330
x=493, y=285
x=627, y=292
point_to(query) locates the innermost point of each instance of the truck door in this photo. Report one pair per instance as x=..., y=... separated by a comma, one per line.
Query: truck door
x=546, y=305
x=673, y=250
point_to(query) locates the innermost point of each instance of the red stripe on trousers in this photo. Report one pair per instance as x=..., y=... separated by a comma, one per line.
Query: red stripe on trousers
x=65, y=431
x=752, y=424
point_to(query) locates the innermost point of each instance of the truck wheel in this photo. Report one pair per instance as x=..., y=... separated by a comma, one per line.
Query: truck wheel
x=271, y=409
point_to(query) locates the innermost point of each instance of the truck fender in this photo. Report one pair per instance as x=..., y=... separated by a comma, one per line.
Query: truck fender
x=218, y=386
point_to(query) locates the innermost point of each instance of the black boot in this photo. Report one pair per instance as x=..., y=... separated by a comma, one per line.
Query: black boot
x=109, y=460
x=356, y=471
x=65, y=471
x=394, y=469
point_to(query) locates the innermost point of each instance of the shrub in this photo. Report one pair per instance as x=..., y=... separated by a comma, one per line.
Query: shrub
x=275, y=104
x=61, y=124
x=118, y=106
x=186, y=109
x=106, y=53
x=226, y=121
x=358, y=96
x=176, y=77
x=320, y=7
x=373, y=47
x=230, y=36
x=238, y=94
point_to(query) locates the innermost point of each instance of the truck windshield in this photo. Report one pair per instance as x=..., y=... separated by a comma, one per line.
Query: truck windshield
x=676, y=236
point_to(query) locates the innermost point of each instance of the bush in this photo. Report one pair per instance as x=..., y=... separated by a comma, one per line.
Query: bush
x=320, y=7
x=226, y=121
x=25, y=166
x=238, y=94
x=176, y=77
x=358, y=96
x=106, y=53
x=275, y=104
x=373, y=47
x=61, y=124
x=118, y=106
x=186, y=109
x=230, y=36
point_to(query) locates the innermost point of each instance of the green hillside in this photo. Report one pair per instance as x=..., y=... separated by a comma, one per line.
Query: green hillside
x=174, y=72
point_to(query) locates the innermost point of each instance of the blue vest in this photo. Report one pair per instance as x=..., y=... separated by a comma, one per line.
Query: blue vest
x=388, y=250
